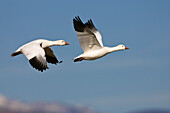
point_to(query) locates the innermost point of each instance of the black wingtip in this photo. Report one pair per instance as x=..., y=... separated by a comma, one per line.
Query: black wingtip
x=52, y=60
x=61, y=62
x=35, y=63
x=90, y=24
x=78, y=24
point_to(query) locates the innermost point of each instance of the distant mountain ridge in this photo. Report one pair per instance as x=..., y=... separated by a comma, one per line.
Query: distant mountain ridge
x=151, y=111
x=14, y=106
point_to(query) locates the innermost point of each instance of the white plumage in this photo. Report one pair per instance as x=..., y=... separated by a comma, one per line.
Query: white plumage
x=38, y=52
x=91, y=41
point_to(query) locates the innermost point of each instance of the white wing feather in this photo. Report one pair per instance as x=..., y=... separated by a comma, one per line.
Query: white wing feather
x=88, y=41
x=89, y=37
x=33, y=50
x=99, y=37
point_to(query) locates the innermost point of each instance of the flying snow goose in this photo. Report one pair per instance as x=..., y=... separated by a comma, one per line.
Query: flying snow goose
x=91, y=41
x=38, y=52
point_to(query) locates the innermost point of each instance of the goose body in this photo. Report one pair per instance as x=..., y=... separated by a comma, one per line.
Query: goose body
x=91, y=41
x=38, y=52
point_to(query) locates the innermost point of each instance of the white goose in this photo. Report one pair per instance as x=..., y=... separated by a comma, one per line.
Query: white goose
x=91, y=41
x=38, y=52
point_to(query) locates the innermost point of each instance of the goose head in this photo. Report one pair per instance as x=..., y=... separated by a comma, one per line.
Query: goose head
x=122, y=47
x=62, y=42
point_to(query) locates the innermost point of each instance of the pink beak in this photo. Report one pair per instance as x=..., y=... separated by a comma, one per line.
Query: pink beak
x=67, y=43
x=126, y=48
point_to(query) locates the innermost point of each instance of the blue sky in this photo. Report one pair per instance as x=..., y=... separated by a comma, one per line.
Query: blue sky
x=119, y=82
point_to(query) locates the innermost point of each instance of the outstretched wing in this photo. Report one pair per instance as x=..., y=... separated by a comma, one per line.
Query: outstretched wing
x=88, y=37
x=51, y=58
x=91, y=26
x=36, y=56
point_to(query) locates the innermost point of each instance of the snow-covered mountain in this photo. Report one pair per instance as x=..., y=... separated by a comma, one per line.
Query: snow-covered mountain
x=14, y=106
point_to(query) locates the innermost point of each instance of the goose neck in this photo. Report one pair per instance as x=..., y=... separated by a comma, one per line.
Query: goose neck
x=112, y=49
